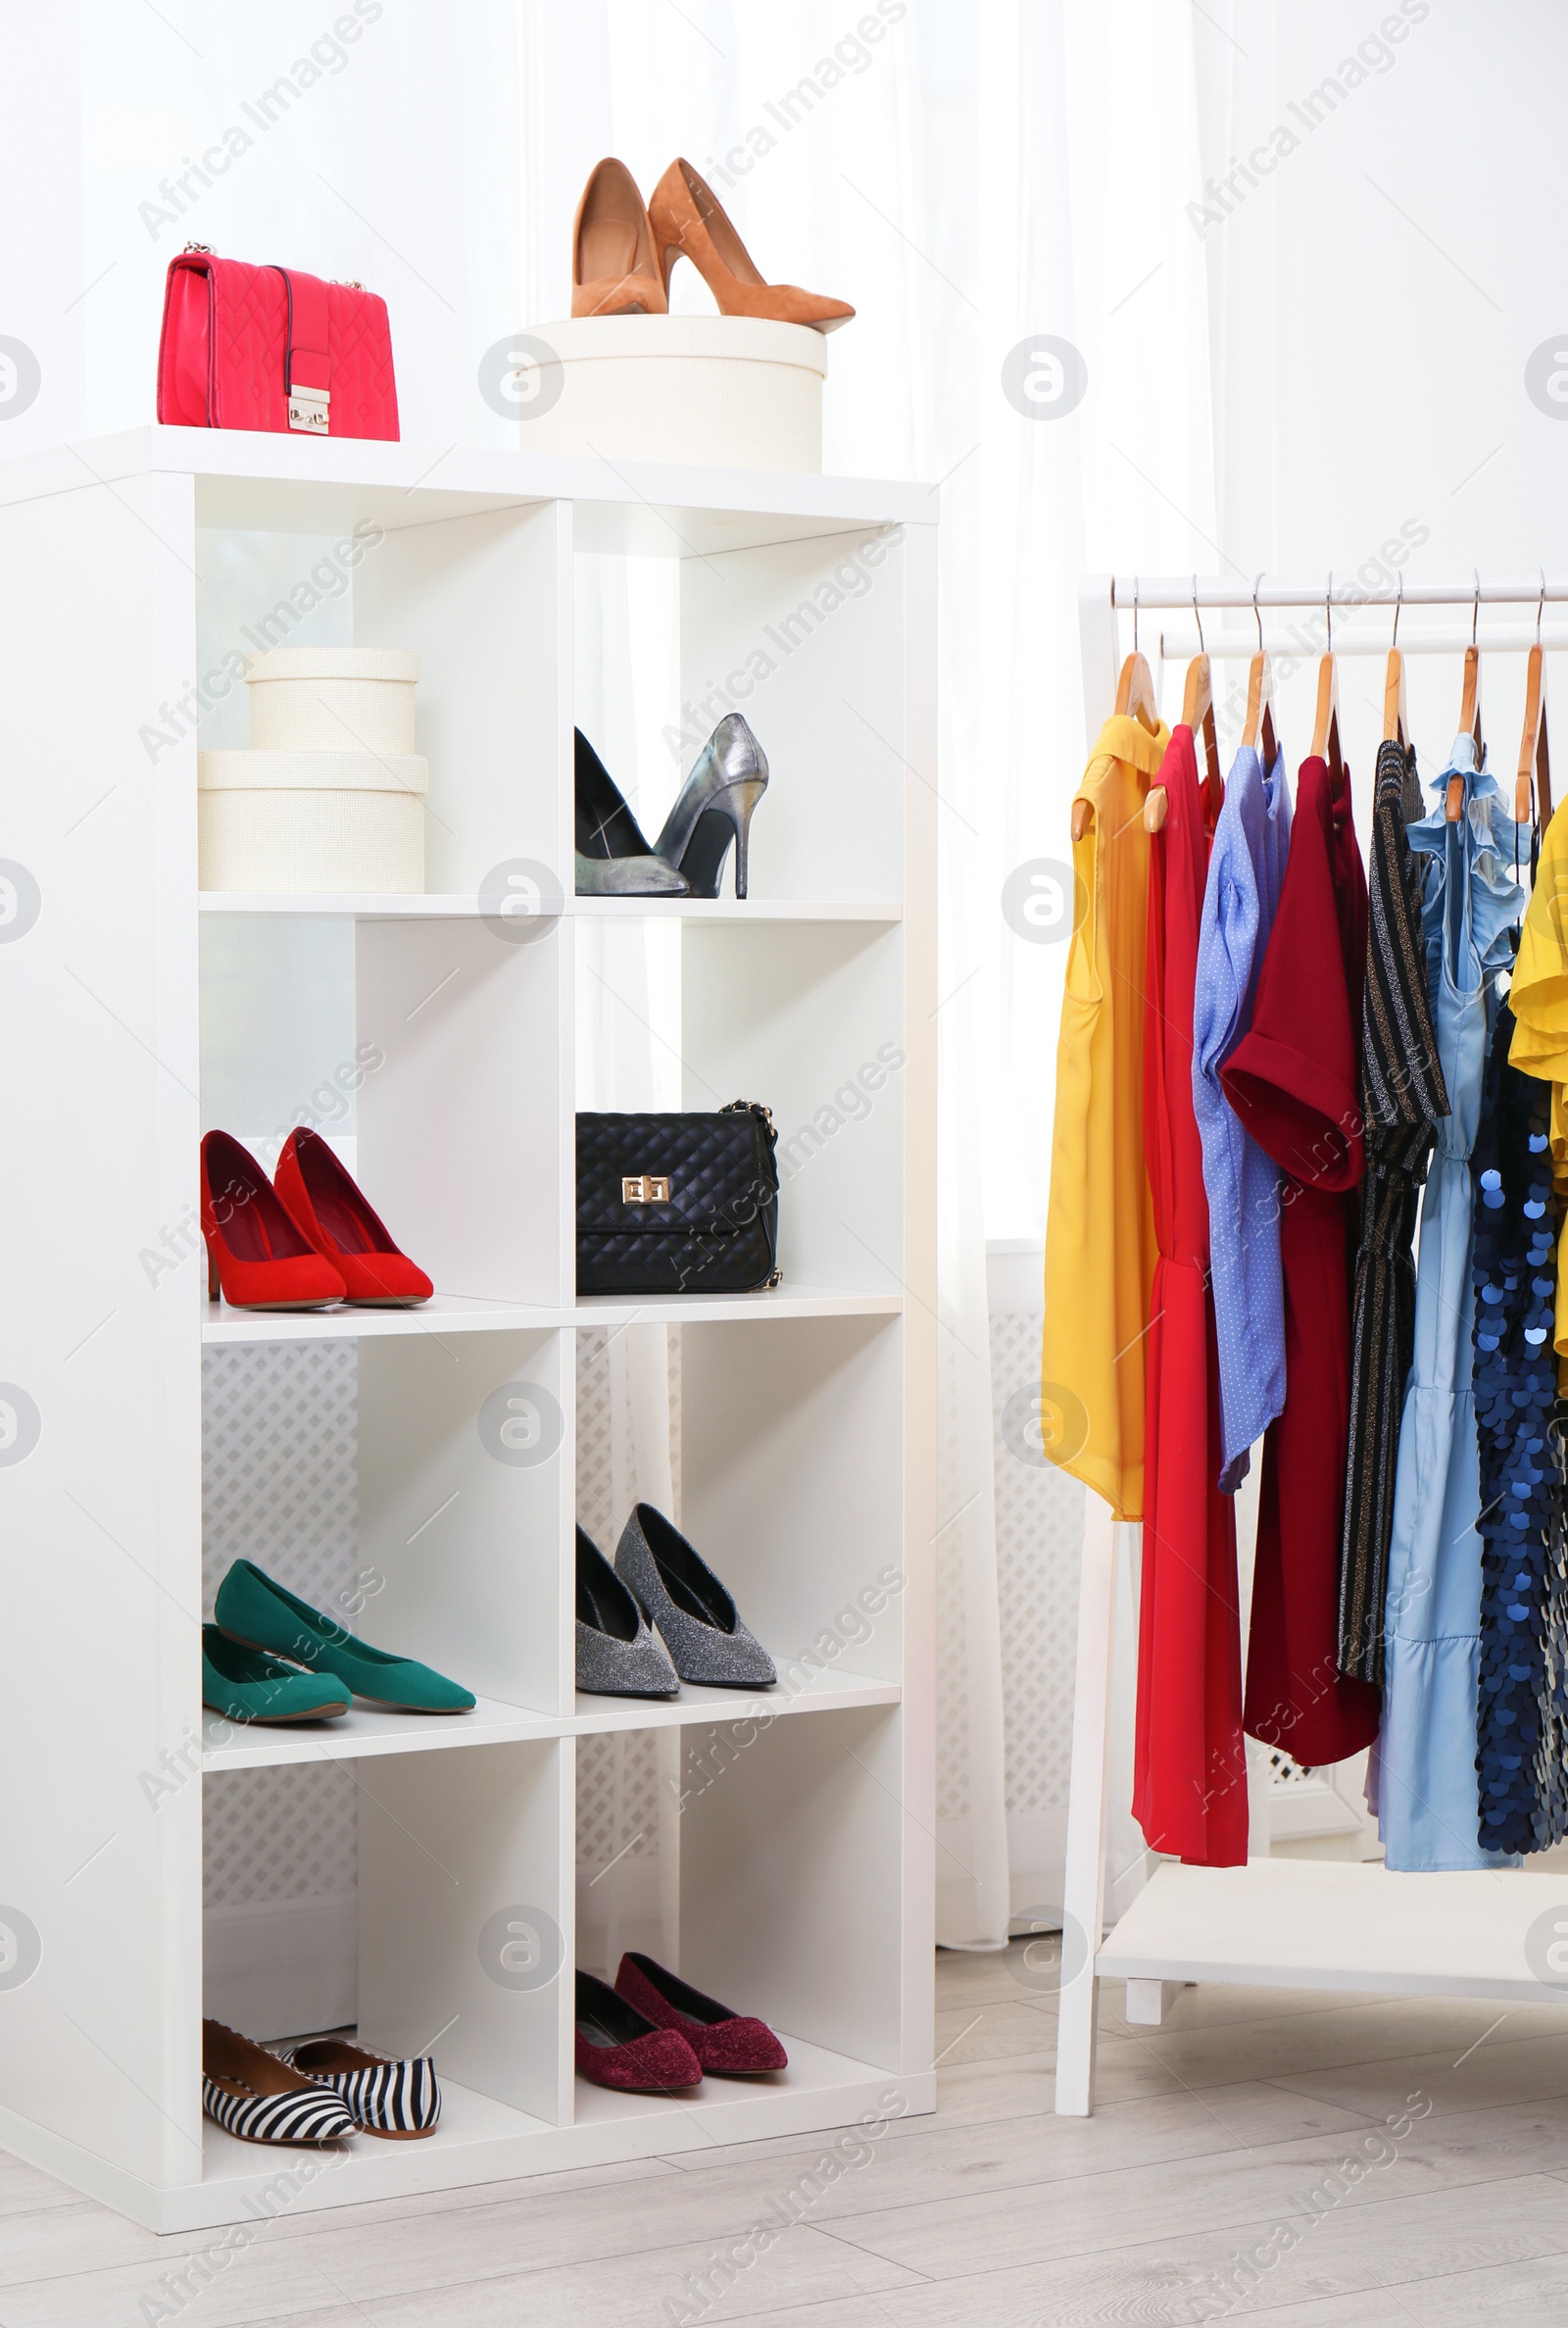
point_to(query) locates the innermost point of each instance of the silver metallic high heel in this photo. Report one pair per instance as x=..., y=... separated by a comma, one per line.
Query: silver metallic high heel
x=628, y=876
x=716, y=803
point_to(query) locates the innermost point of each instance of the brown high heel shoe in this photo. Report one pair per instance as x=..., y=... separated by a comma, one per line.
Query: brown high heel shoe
x=615, y=269
x=689, y=221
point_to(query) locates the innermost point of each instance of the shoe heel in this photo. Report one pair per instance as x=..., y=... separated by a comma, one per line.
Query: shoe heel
x=717, y=803
x=214, y=1289
x=739, y=804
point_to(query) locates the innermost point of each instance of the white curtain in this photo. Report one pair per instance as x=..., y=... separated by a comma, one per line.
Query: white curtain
x=1087, y=152
x=1090, y=152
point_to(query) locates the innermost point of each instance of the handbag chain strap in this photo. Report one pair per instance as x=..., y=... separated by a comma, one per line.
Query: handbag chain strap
x=751, y=1108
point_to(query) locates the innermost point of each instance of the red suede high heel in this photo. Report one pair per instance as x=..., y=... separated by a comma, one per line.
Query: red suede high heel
x=254, y=1251
x=326, y=1206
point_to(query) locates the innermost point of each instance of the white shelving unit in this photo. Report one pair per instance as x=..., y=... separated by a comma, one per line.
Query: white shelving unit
x=805, y=1876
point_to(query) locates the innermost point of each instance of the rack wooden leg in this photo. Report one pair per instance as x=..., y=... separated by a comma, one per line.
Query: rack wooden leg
x=1084, y=1898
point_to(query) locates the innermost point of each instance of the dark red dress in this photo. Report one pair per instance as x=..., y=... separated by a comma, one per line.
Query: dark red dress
x=1293, y=1080
x=1190, y=1764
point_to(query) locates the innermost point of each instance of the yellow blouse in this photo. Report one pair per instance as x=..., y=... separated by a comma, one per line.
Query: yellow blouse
x=1538, y=998
x=1100, y=1228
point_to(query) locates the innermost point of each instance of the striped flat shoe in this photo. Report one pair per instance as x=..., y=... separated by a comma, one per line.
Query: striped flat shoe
x=250, y=2093
x=399, y=2100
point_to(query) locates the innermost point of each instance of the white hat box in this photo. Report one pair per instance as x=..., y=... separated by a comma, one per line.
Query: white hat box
x=332, y=699
x=306, y=822
x=720, y=391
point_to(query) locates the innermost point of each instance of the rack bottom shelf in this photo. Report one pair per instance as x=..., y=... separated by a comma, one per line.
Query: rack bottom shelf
x=1332, y=1924
x=481, y=2141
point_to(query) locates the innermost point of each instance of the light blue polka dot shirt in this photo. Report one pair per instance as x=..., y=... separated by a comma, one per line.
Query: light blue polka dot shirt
x=1246, y=869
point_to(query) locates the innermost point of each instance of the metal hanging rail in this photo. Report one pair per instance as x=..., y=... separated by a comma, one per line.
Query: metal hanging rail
x=1177, y=643
x=1153, y=592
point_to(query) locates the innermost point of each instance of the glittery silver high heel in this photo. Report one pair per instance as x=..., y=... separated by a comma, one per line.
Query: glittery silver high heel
x=684, y=1602
x=716, y=805
x=618, y=1655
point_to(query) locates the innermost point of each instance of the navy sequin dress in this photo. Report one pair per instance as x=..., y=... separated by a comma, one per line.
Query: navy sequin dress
x=1552, y=1752
x=1514, y=1269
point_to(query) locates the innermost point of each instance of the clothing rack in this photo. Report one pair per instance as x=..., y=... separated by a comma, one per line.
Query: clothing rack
x=1319, y=1924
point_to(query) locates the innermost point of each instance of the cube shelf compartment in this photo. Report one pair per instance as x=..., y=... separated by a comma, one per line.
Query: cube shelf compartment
x=437, y=1046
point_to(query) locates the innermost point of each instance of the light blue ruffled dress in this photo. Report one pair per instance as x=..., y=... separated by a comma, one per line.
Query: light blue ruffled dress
x=1422, y=1780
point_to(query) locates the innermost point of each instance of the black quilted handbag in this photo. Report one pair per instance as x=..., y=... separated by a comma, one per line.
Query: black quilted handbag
x=677, y=1203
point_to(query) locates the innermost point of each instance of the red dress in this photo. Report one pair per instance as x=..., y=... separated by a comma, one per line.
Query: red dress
x=1189, y=1766
x=1293, y=1080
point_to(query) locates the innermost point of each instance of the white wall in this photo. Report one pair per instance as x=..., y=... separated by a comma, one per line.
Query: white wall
x=1373, y=303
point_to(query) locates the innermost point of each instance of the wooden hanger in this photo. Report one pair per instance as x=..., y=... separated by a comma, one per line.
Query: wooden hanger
x=1326, y=726
x=1198, y=714
x=1395, y=711
x=1197, y=710
x=1469, y=715
x=1535, y=763
x=1134, y=698
x=1135, y=692
x=1258, y=731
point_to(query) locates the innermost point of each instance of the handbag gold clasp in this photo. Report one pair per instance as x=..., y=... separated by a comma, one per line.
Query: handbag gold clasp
x=645, y=1188
x=307, y=410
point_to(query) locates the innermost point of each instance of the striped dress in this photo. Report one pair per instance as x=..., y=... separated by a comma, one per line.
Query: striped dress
x=1403, y=1098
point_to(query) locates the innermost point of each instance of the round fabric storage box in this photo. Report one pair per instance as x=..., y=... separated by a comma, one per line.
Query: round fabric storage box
x=306, y=821
x=332, y=699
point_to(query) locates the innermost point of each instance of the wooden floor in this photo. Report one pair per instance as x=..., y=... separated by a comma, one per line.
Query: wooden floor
x=1253, y=2126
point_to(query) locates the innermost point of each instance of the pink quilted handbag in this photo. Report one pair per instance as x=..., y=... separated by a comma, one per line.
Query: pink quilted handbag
x=267, y=347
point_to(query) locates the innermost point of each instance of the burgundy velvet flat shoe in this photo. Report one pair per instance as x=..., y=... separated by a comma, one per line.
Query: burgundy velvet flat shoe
x=726, y=2044
x=328, y=1208
x=620, y=2047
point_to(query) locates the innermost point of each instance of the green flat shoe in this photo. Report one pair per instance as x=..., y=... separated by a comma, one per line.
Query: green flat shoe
x=248, y=1686
x=259, y=1615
